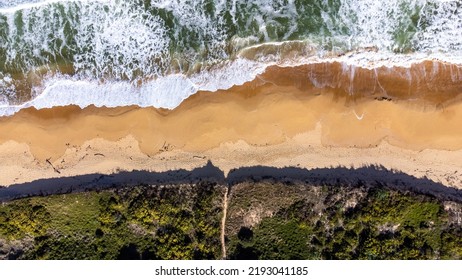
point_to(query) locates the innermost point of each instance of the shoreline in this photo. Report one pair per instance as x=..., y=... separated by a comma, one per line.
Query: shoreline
x=427, y=82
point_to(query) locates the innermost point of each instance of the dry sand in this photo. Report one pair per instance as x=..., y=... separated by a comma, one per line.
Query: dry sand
x=249, y=125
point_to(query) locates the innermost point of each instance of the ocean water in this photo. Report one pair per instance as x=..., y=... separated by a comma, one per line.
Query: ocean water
x=159, y=52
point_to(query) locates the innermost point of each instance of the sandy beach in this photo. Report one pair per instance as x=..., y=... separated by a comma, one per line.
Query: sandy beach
x=258, y=123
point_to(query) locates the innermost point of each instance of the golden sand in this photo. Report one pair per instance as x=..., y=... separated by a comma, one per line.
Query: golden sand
x=259, y=123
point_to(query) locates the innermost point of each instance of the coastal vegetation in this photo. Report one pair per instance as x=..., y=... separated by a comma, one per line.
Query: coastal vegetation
x=348, y=223
x=163, y=222
x=265, y=220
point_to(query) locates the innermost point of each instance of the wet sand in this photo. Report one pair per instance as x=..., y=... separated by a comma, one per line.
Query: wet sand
x=268, y=121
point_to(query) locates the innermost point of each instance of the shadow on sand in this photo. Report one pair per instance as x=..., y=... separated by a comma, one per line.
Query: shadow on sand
x=369, y=176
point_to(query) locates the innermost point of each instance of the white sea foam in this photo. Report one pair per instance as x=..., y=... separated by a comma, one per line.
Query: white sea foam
x=123, y=41
x=115, y=38
x=12, y=6
x=164, y=92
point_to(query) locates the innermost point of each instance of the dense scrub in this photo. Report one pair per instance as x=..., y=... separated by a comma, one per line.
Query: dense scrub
x=265, y=220
x=170, y=222
x=346, y=223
